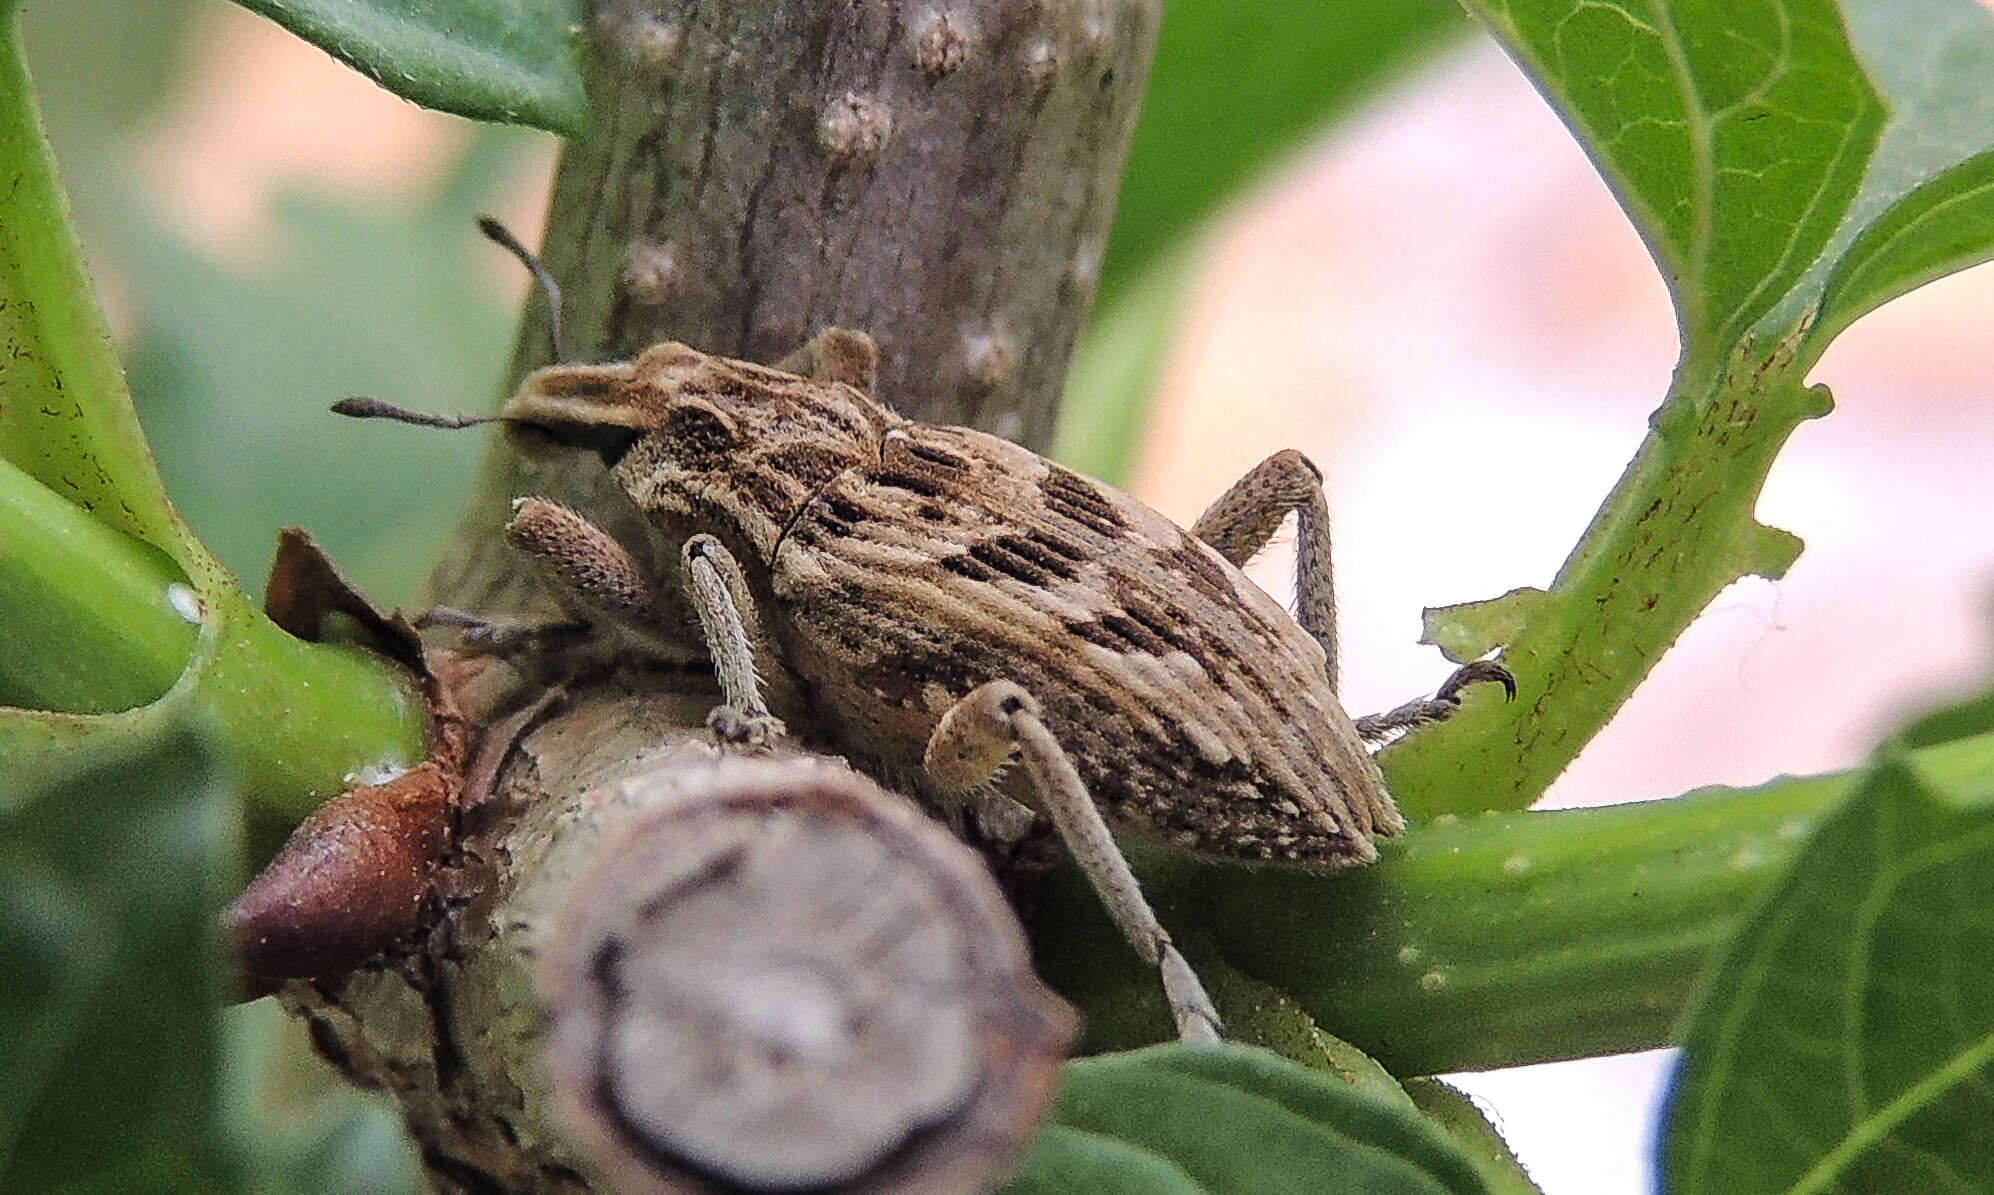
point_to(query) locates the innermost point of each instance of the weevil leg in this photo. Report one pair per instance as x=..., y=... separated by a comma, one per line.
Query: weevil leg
x=480, y=636
x=1246, y=516
x=719, y=594
x=592, y=573
x=976, y=738
x=598, y=578
x=1424, y=711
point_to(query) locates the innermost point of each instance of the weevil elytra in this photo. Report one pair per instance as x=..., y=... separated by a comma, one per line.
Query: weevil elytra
x=934, y=602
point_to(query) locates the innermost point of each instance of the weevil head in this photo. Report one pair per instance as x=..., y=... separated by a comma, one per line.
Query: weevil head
x=708, y=441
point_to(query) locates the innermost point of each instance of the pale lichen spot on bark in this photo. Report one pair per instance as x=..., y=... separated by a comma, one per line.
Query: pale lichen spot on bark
x=651, y=274
x=854, y=129
x=989, y=356
x=942, y=42
x=649, y=44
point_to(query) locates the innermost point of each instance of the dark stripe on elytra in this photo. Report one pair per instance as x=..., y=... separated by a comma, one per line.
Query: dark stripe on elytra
x=1121, y=632
x=1016, y=559
x=769, y=492
x=1231, y=668
x=1202, y=572
x=1223, y=589
x=1058, y=544
x=1167, y=625
x=933, y=455
x=962, y=564
x=904, y=479
x=1045, y=552
x=831, y=517
x=810, y=464
x=1074, y=497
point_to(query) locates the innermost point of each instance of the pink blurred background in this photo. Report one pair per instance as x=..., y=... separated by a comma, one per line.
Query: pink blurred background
x=1443, y=306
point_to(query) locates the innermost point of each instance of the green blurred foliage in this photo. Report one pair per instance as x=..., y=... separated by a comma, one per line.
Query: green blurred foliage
x=232, y=374
x=1237, y=89
x=233, y=377
x=111, y=873
x=297, y=1130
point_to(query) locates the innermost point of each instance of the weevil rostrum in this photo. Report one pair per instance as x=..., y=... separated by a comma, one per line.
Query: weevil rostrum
x=935, y=602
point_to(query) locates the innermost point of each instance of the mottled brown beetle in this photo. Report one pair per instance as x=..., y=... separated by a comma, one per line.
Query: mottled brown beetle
x=933, y=602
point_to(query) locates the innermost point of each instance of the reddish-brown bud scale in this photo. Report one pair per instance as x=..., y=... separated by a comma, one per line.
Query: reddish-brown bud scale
x=348, y=882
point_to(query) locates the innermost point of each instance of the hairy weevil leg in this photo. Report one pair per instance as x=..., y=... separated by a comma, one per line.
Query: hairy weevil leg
x=976, y=738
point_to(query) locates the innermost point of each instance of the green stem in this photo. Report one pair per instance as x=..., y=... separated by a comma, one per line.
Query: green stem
x=1676, y=530
x=293, y=722
x=91, y=624
x=1496, y=940
x=302, y=721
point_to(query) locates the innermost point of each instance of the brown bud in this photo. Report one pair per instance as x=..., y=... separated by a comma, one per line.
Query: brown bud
x=781, y=977
x=347, y=883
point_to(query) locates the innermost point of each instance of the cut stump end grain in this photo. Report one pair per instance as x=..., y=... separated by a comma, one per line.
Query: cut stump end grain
x=786, y=978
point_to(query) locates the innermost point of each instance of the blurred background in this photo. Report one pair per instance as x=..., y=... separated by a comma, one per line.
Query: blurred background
x=1434, y=296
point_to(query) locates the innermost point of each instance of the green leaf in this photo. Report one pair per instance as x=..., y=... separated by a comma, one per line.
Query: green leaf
x=1749, y=144
x=65, y=418
x=1845, y=1042
x=1065, y=1159
x=1221, y=1119
x=111, y=873
x=512, y=61
x=1468, y=1127
x=1260, y=1014
x=1974, y=716
x=1735, y=134
x=1926, y=207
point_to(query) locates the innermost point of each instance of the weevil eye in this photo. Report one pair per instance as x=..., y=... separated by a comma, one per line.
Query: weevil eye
x=607, y=441
x=699, y=437
x=614, y=443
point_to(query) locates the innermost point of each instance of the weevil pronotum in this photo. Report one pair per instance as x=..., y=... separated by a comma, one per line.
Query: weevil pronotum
x=934, y=602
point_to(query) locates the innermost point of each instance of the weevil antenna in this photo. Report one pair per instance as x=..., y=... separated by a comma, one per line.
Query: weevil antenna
x=498, y=234
x=360, y=406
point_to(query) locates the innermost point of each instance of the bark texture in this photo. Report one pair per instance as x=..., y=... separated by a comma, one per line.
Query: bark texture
x=940, y=175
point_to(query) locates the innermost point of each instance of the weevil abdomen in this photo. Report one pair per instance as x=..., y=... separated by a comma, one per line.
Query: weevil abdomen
x=1195, y=709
